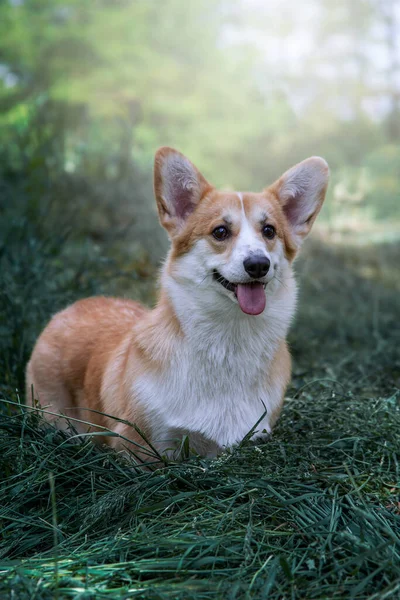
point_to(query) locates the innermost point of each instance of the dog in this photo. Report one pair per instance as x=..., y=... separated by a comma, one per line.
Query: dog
x=210, y=361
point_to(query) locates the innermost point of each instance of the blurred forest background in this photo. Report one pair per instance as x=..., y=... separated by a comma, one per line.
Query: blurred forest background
x=245, y=88
x=89, y=90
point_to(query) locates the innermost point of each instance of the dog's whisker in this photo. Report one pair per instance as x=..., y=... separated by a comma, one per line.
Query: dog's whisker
x=203, y=280
x=283, y=284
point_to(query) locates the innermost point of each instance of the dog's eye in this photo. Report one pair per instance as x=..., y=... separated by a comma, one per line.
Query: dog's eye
x=269, y=231
x=220, y=233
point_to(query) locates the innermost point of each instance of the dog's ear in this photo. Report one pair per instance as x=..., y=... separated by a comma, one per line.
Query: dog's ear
x=301, y=191
x=178, y=187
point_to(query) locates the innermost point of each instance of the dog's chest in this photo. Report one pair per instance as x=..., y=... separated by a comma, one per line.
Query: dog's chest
x=216, y=385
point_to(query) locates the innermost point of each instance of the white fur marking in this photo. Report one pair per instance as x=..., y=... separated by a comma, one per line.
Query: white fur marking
x=217, y=383
x=248, y=243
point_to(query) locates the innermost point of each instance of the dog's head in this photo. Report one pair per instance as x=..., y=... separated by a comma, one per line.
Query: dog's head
x=235, y=244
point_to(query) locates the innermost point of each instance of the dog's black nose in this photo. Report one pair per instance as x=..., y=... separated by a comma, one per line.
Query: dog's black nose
x=257, y=265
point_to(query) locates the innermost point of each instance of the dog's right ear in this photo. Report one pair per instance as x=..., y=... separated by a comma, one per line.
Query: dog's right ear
x=178, y=187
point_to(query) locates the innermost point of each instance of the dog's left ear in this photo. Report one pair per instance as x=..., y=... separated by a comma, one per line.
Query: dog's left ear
x=301, y=191
x=178, y=188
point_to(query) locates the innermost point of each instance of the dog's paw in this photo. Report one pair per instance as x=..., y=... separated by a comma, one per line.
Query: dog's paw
x=261, y=437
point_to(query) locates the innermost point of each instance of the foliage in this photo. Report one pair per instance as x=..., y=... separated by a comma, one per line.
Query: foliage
x=384, y=168
x=34, y=280
x=244, y=88
x=50, y=257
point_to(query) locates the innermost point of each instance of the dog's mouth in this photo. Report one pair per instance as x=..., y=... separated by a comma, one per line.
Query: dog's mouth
x=250, y=296
x=231, y=287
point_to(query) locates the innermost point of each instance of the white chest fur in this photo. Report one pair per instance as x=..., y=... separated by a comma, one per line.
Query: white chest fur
x=218, y=383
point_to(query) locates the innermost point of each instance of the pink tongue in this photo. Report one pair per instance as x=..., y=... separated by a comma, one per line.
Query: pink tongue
x=251, y=297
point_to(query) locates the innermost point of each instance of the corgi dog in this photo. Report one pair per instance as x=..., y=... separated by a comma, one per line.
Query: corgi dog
x=210, y=361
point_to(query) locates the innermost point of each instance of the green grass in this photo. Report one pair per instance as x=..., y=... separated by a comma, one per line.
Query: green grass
x=314, y=513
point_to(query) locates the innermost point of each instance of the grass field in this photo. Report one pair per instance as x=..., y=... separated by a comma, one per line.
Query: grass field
x=312, y=514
